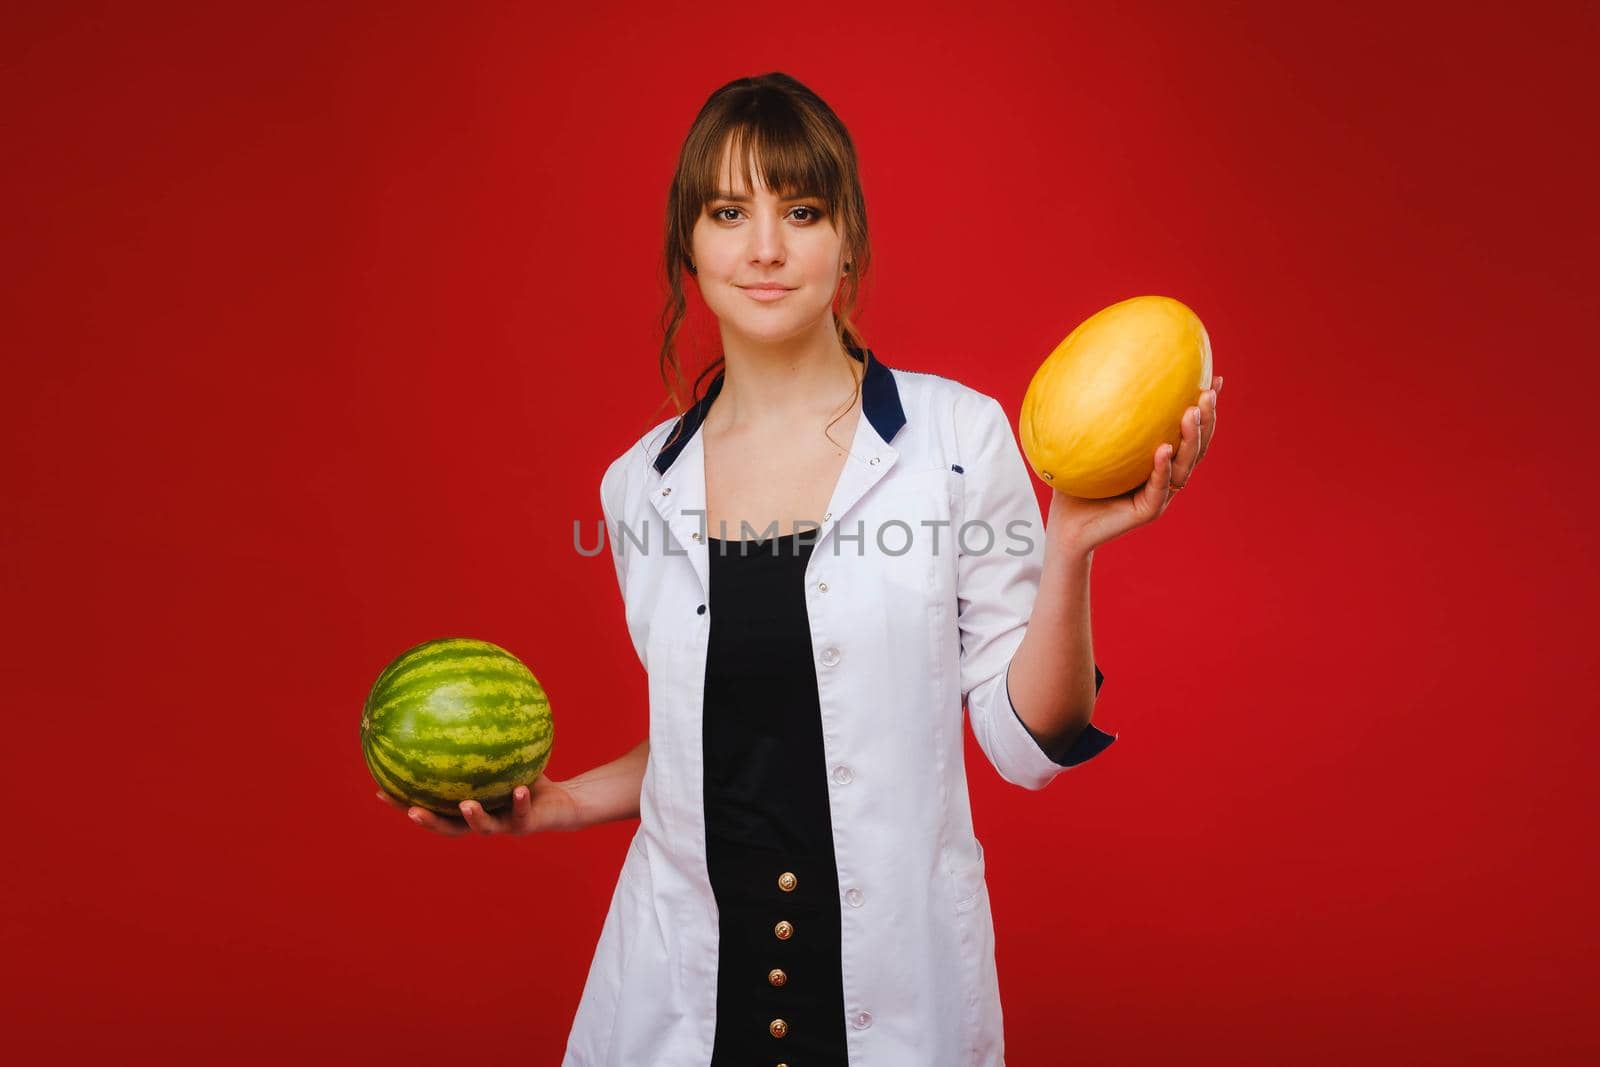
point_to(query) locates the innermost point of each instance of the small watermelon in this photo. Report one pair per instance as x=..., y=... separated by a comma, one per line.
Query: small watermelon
x=456, y=719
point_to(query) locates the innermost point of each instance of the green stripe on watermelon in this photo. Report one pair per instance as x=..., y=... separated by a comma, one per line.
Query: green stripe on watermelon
x=443, y=796
x=413, y=685
x=469, y=766
x=443, y=705
x=476, y=660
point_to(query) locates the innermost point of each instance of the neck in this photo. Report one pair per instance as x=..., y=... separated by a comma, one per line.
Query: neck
x=797, y=380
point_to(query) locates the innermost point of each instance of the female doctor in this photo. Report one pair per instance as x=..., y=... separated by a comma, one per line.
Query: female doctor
x=823, y=560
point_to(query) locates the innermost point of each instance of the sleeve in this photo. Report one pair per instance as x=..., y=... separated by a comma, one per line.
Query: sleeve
x=1000, y=558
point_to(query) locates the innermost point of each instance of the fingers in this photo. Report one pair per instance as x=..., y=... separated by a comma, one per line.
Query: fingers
x=1180, y=465
x=424, y=818
x=519, y=820
x=480, y=820
x=1199, y=426
x=1153, y=497
x=521, y=805
x=473, y=818
x=439, y=824
x=1208, y=419
x=1173, y=467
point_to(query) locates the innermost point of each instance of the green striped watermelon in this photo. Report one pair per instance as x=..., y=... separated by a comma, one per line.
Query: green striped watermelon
x=456, y=719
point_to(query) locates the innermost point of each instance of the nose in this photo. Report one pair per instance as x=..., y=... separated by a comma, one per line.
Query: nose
x=768, y=240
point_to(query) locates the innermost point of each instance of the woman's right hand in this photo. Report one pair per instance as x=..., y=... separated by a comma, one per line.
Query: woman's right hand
x=546, y=805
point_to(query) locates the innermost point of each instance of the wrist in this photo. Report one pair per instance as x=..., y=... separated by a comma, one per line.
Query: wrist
x=1064, y=536
x=575, y=816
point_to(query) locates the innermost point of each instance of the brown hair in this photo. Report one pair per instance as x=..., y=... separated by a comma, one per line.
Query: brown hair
x=799, y=148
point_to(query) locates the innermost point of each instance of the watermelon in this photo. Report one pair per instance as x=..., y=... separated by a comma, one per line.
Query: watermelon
x=456, y=719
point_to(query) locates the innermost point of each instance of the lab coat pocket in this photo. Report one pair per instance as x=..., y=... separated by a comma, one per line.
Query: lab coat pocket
x=908, y=531
x=969, y=883
x=645, y=1010
x=980, y=993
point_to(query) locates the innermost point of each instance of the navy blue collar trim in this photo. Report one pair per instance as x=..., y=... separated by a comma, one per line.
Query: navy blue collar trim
x=880, y=403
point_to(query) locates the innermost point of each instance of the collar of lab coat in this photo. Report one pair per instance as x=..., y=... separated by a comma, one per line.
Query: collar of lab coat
x=880, y=403
x=680, y=496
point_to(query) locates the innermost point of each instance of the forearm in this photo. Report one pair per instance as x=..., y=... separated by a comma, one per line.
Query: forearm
x=610, y=791
x=1051, y=680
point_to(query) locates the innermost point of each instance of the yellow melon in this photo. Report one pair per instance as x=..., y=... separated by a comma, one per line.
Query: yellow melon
x=1109, y=394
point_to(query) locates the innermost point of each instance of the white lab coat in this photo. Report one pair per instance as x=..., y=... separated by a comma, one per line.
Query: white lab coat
x=901, y=639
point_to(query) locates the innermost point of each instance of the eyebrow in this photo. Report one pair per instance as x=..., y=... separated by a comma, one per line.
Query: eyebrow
x=724, y=195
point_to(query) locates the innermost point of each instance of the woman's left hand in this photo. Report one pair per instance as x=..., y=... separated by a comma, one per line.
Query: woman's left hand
x=1088, y=524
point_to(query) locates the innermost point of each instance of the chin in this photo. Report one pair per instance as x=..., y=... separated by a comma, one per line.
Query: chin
x=760, y=320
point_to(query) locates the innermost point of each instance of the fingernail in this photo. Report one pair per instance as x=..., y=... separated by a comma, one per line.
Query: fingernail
x=466, y=807
x=416, y=818
x=522, y=794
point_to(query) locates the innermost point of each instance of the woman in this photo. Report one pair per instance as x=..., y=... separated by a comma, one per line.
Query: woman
x=821, y=560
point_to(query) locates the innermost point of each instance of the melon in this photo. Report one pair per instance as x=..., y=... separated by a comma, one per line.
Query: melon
x=1107, y=396
x=456, y=719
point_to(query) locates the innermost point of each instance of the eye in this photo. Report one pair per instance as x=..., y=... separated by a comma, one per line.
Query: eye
x=814, y=213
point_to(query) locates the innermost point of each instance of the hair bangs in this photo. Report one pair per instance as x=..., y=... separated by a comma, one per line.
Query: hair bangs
x=773, y=147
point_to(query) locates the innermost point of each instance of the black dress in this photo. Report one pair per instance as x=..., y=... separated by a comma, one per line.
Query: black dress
x=769, y=836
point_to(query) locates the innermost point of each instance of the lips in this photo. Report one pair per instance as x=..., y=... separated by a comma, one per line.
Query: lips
x=765, y=294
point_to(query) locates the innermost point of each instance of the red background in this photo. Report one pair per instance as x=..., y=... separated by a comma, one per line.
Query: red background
x=323, y=321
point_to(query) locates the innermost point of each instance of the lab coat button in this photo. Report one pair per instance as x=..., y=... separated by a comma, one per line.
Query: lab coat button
x=873, y=461
x=787, y=881
x=701, y=610
x=784, y=930
x=822, y=586
x=828, y=516
x=778, y=1028
x=842, y=775
x=667, y=491
x=776, y=976
x=830, y=656
x=863, y=1020
x=854, y=897
x=695, y=536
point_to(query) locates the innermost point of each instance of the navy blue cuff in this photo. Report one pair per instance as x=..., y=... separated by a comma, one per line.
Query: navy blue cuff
x=1087, y=745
